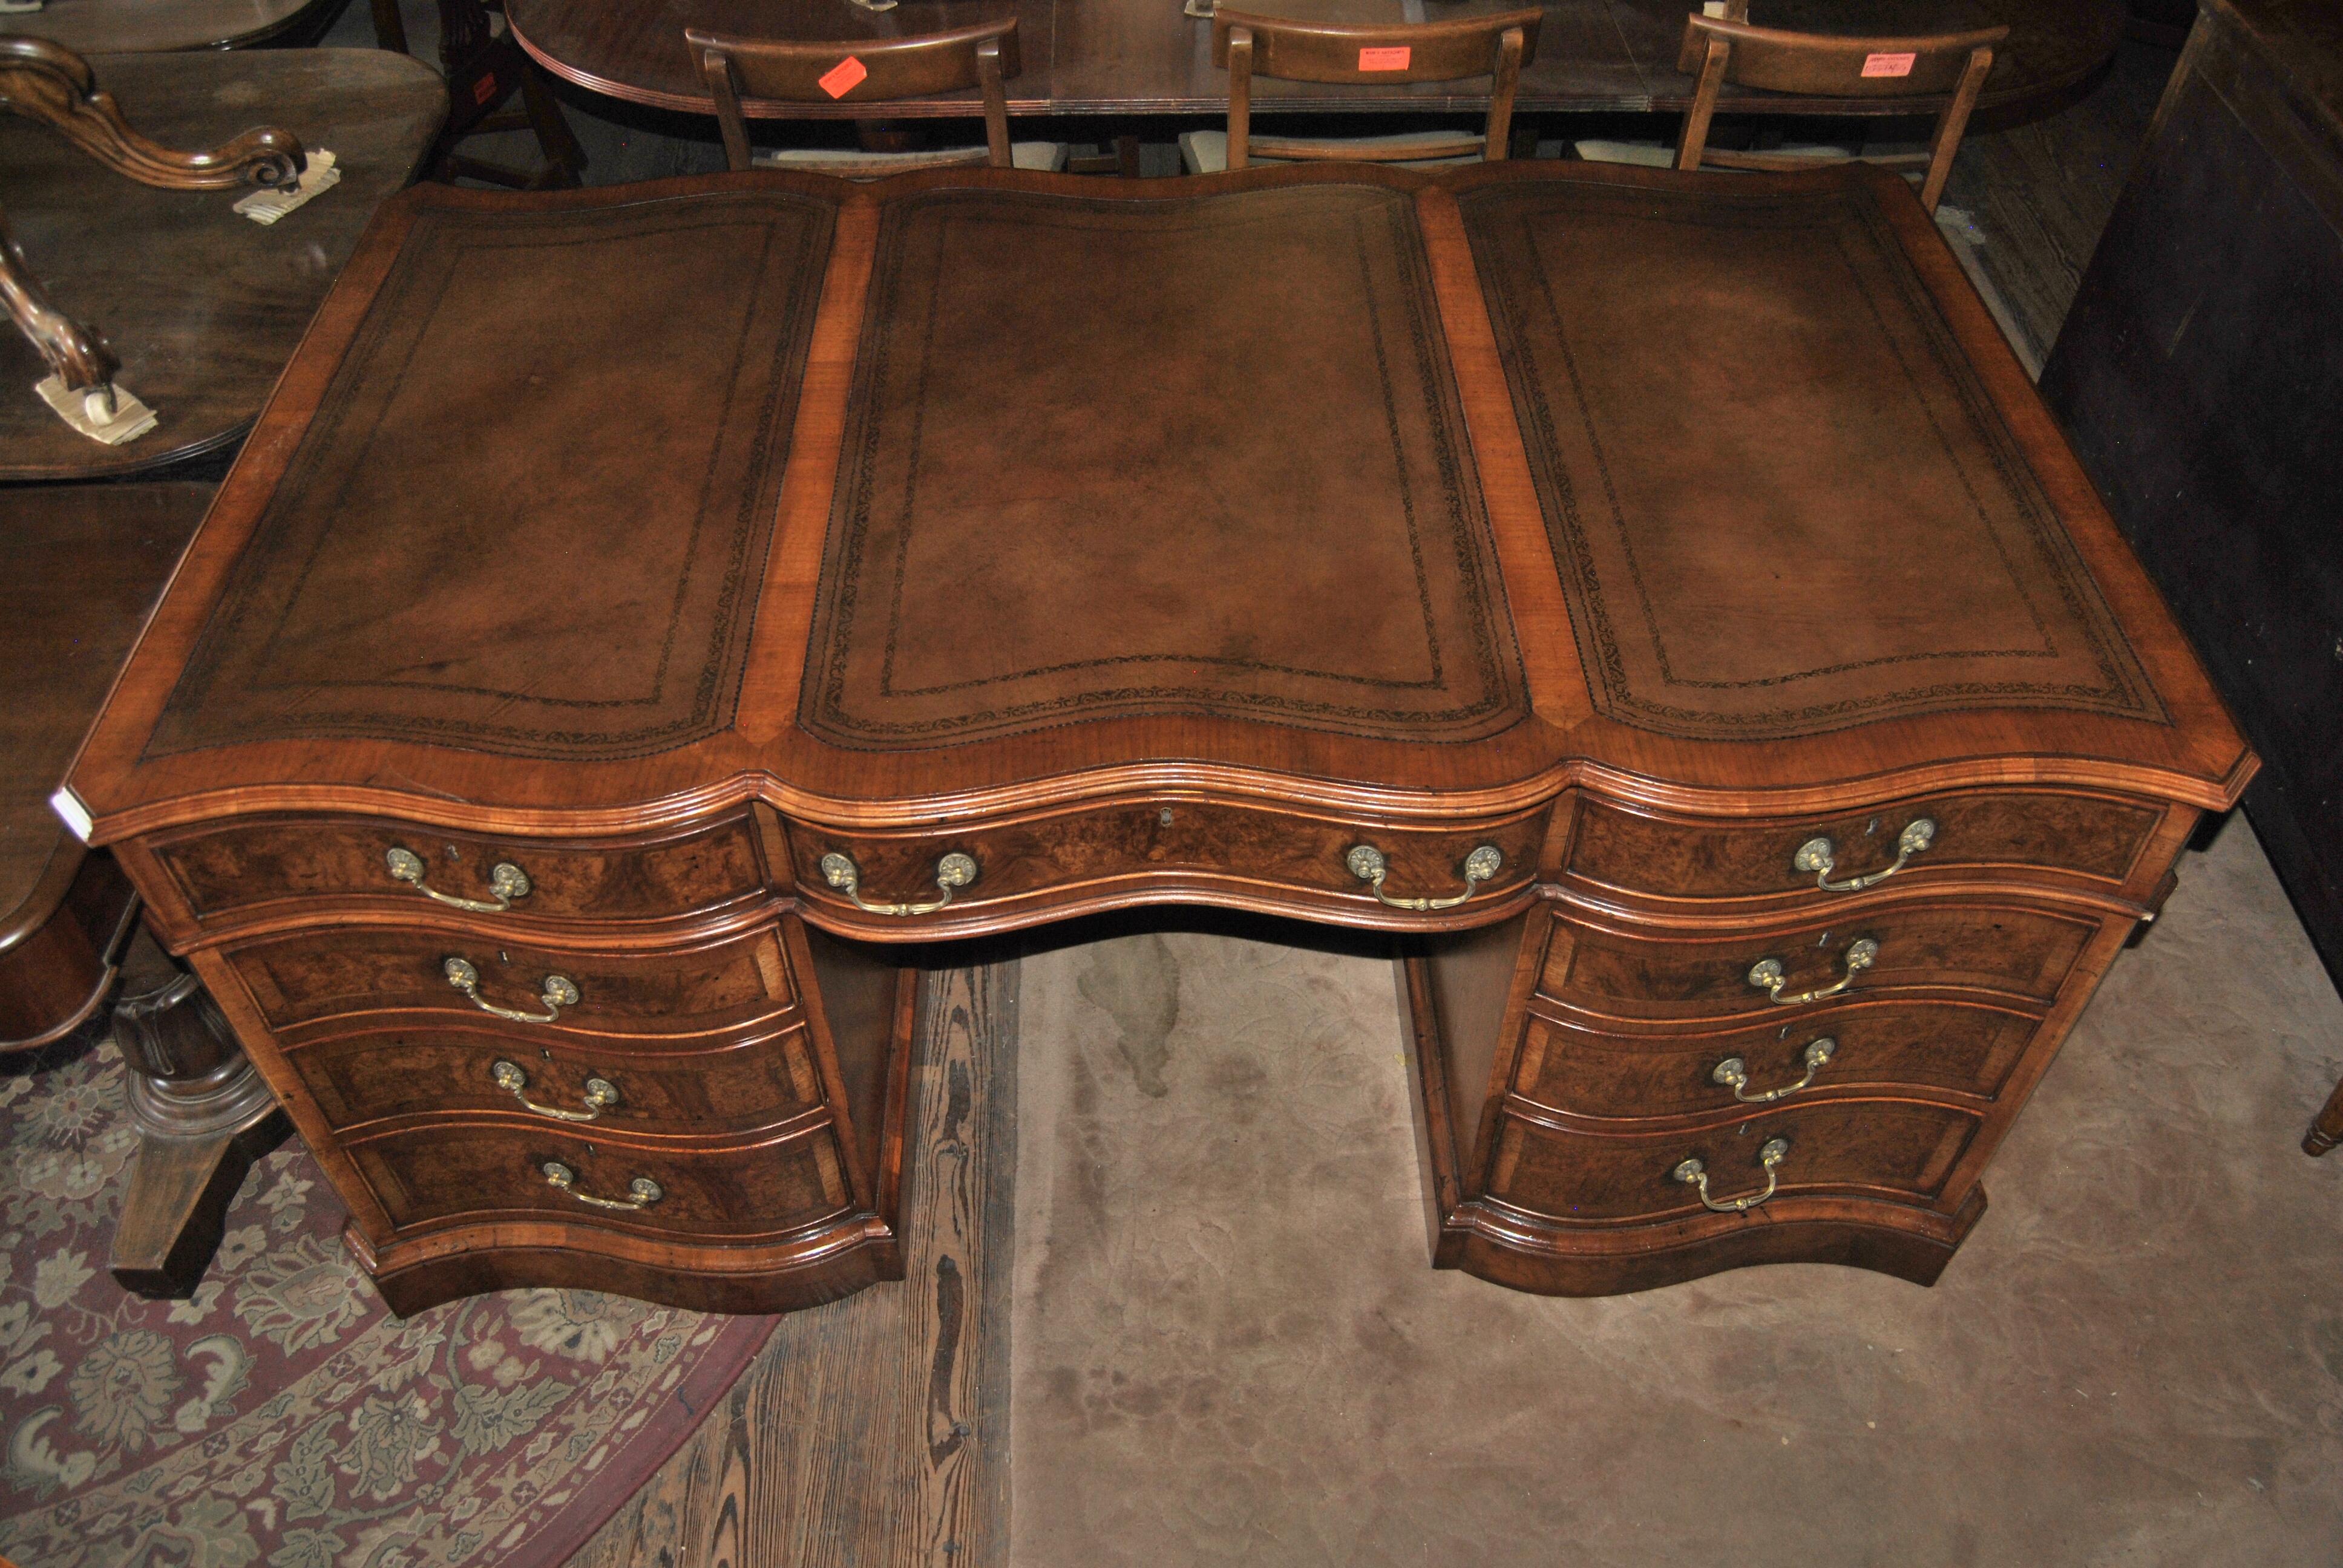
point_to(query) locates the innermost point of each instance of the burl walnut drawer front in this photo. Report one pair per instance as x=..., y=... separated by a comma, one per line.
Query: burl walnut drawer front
x=255, y=863
x=740, y=1087
x=679, y=990
x=456, y=1172
x=1875, y=1148
x=1956, y=1048
x=2026, y=829
x=2020, y=952
x=1065, y=856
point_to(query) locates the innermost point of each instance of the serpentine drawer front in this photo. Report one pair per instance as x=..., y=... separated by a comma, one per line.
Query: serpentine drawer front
x=462, y=1171
x=676, y=991
x=1963, y=1049
x=1639, y=852
x=408, y=867
x=643, y=1086
x=1656, y=601
x=1112, y=850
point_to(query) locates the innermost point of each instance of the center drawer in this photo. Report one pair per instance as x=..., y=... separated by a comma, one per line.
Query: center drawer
x=2022, y=953
x=1962, y=1048
x=458, y=1170
x=1064, y=857
x=684, y=989
x=1875, y=1148
x=612, y=1084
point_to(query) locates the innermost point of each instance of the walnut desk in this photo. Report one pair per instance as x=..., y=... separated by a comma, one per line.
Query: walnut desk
x=1657, y=601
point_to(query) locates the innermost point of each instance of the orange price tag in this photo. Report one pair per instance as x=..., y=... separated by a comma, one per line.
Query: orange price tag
x=843, y=77
x=1384, y=59
x=1888, y=65
x=484, y=89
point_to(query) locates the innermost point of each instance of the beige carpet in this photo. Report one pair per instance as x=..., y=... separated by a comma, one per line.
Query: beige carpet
x=1227, y=1347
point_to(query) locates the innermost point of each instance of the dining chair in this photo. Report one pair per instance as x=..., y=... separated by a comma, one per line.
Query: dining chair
x=1249, y=46
x=790, y=71
x=486, y=68
x=1728, y=48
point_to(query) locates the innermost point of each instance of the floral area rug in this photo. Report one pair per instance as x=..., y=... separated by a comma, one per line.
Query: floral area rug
x=282, y=1416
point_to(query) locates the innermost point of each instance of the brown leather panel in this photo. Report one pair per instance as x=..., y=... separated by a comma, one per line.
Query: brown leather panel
x=465, y=552
x=1781, y=500
x=1115, y=458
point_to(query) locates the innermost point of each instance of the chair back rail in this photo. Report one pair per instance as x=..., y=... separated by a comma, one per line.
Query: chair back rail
x=1727, y=49
x=793, y=71
x=1496, y=46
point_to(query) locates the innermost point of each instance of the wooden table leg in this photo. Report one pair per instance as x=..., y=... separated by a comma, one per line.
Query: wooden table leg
x=2327, y=1126
x=203, y=1116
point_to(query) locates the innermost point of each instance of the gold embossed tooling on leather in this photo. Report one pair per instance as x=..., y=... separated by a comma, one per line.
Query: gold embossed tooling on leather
x=1110, y=457
x=466, y=550
x=1780, y=501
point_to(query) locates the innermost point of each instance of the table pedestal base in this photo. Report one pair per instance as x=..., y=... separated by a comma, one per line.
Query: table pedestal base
x=203, y=1116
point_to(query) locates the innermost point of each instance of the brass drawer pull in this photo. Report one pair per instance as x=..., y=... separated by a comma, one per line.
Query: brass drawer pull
x=1734, y=1073
x=601, y=1093
x=641, y=1192
x=954, y=871
x=1367, y=863
x=558, y=992
x=1692, y=1174
x=1767, y=975
x=1820, y=856
x=507, y=882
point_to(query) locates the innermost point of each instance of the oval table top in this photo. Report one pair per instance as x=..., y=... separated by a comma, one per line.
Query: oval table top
x=1144, y=56
x=127, y=27
x=203, y=306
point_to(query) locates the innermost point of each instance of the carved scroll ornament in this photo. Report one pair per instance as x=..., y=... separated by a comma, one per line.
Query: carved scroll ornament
x=78, y=354
x=44, y=82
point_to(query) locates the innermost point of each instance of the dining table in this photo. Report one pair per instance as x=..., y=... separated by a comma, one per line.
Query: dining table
x=140, y=26
x=1096, y=57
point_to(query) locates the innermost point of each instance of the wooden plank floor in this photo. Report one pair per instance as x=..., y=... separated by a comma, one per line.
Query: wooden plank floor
x=874, y=1432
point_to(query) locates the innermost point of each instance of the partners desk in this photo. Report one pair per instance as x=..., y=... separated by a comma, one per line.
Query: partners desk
x=1146, y=56
x=1657, y=601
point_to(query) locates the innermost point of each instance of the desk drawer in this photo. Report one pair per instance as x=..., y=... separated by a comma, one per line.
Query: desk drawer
x=2021, y=952
x=1863, y=1148
x=1063, y=857
x=2027, y=830
x=458, y=1170
x=331, y=973
x=1954, y=1047
x=253, y=863
x=740, y=1087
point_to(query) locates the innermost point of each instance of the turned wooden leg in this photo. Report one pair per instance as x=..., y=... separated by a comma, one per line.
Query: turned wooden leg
x=2327, y=1126
x=203, y=1116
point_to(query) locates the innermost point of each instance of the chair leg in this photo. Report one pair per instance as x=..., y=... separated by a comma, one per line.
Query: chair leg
x=2327, y=1130
x=389, y=27
x=563, y=158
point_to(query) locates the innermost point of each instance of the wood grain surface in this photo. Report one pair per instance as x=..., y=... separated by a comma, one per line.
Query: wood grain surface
x=141, y=26
x=203, y=305
x=874, y=1431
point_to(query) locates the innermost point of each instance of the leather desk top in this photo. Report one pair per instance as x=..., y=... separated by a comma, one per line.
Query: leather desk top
x=1367, y=490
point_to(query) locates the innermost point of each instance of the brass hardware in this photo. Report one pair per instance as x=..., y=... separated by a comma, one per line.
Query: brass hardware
x=1767, y=975
x=1367, y=863
x=954, y=871
x=1820, y=856
x=507, y=882
x=601, y=1093
x=1694, y=1175
x=557, y=993
x=1734, y=1073
x=641, y=1192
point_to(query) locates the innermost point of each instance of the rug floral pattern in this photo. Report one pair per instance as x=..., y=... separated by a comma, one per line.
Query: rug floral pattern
x=281, y=1417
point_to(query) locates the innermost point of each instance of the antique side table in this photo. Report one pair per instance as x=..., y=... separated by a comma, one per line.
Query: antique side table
x=202, y=306
x=1657, y=601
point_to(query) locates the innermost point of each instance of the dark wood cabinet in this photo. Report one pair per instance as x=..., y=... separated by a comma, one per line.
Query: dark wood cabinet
x=2198, y=376
x=1658, y=603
